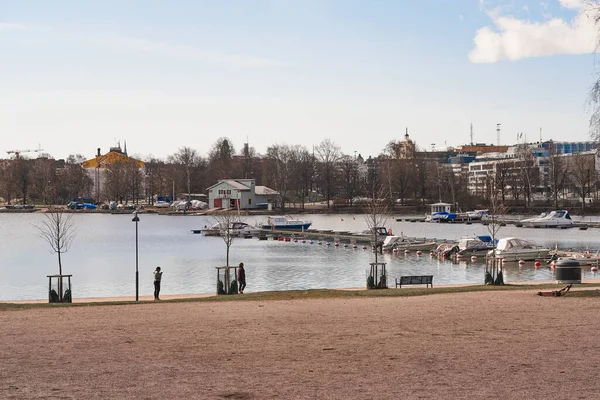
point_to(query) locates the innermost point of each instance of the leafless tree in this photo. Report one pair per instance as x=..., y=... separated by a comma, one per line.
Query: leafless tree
x=225, y=220
x=305, y=175
x=283, y=163
x=188, y=159
x=582, y=175
x=493, y=273
x=557, y=174
x=58, y=230
x=593, y=11
x=402, y=178
x=349, y=177
x=328, y=154
x=376, y=214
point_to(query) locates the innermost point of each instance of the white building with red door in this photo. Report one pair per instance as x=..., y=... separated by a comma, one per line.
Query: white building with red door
x=240, y=194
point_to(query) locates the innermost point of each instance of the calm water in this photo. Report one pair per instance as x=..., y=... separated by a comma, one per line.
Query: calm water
x=102, y=256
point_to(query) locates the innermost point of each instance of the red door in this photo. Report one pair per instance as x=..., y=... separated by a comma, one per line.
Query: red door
x=218, y=203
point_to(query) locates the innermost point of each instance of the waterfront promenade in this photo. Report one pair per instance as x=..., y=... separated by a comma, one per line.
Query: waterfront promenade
x=492, y=344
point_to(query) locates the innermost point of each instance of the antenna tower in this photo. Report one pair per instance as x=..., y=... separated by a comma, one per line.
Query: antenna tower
x=498, y=134
x=471, y=134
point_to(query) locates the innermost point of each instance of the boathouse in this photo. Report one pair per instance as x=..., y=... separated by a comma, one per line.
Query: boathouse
x=240, y=194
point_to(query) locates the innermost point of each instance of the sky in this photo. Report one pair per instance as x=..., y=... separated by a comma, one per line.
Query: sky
x=160, y=75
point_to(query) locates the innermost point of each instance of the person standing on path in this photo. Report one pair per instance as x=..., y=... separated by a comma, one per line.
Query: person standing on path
x=241, y=277
x=157, y=278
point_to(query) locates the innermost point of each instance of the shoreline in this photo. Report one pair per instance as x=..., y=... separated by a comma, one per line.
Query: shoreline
x=441, y=289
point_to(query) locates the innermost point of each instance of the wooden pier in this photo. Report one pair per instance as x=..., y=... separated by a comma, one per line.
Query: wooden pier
x=503, y=222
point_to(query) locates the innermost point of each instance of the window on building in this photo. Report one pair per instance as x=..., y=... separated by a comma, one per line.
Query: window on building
x=249, y=201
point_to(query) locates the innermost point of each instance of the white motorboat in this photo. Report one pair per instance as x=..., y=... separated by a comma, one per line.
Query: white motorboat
x=286, y=222
x=475, y=245
x=515, y=249
x=477, y=215
x=237, y=228
x=401, y=243
x=554, y=219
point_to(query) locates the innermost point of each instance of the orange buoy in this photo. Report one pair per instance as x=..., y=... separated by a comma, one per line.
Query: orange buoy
x=537, y=264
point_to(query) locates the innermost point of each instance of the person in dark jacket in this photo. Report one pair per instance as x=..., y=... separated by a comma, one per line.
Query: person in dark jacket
x=241, y=278
x=157, y=279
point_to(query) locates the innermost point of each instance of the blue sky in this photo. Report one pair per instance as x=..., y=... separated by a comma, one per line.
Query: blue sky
x=75, y=76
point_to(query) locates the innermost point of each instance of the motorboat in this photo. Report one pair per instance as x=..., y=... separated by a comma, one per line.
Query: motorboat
x=286, y=222
x=477, y=215
x=467, y=246
x=436, y=216
x=515, y=249
x=401, y=243
x=237, y=228
x=475, y=245
x=554, y=219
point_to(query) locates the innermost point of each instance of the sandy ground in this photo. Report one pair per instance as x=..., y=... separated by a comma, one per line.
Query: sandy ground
x=493, y=345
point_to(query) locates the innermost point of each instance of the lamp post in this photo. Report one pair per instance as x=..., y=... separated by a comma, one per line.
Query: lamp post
x=136, y=219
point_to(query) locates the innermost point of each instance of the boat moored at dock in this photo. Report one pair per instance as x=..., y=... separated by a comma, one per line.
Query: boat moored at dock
x=286, y=222
x=554, y=219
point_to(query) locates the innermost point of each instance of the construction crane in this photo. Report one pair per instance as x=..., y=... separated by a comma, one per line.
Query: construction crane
x=18, y=152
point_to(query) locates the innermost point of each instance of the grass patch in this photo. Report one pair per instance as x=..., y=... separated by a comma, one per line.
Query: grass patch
x=323, y=294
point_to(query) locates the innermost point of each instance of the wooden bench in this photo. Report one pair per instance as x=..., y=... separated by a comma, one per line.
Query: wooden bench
x=415, y=280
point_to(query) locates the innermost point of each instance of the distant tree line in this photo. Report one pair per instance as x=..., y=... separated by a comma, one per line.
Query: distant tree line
x=298, y=174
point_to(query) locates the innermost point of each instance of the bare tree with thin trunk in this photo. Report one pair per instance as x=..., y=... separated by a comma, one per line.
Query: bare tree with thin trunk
x=58, y=230
x=226, y=220
x=377, y=213
x=493, y=271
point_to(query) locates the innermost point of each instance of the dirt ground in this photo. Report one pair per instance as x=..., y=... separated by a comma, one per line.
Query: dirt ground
x=493, y=345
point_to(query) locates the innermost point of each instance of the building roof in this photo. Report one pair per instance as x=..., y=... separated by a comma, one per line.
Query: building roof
x=108, y=159
x=264, y=191
x=231, y=182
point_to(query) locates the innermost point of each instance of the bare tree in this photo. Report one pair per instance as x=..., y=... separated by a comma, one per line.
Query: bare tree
x=226, y=220
x=188, y=159
x=582, y=175
x=283, y=164
x=493, y=271
x=376, y=214
x=58, y=230
x=328, y=155
x=557, y=174
x=350, y=177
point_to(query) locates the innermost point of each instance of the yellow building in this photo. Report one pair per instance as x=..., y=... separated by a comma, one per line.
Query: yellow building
x=96, y=167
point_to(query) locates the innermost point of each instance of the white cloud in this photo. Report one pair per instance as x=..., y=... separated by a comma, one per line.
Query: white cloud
x=188, y=52
x=516, y=39
x=576, y=4
x=11, y=26
x=461, y=17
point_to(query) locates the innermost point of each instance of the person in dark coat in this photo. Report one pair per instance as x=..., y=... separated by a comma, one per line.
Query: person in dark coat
x=241, y=277
x=157, y=279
